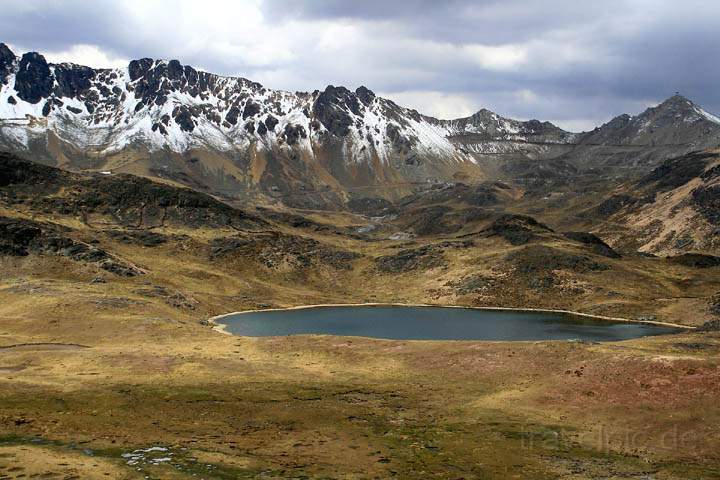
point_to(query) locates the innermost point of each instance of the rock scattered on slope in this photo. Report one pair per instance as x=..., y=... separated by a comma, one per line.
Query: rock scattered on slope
x=23, y=237
x=174, y=299
x=711, y=326
x=535, y=259
x=274, y=250
x=423, y=258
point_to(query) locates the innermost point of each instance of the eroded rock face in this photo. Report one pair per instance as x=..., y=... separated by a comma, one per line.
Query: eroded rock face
x=33, y=81
x=167, y=108
x=293, y=134
x=7, y=62
x=72, y=80
x=331, y=109
x=674, y=119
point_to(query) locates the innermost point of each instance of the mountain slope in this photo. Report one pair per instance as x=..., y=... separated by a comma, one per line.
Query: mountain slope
x=235, y=138
x=674, y=122
x=674, y=208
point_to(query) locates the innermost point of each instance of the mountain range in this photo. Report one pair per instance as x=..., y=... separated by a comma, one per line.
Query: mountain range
x=239, y=140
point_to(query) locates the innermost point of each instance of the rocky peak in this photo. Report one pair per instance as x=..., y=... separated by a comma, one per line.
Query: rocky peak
x=332, y=109
x=7, y=62
x=674, y=108
x=677, y=120
x=138, y=68
x=72, y=80
x=365, y=95
x=33, y=81
x=676, y=101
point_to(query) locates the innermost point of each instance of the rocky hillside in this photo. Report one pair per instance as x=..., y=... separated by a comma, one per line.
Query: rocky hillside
x=234, y=137
x=674, y=208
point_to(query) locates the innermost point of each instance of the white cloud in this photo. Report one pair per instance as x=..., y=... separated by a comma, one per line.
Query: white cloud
x=89, y=55
x=434, y=103
x=527, y=96
x=576, y=124
x=337, y=37
x=501, y=57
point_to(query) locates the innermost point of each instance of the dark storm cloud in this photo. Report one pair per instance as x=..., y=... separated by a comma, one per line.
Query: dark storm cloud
x=575, y=62
x=52, y=25
x=630, y=50
x=486, y=21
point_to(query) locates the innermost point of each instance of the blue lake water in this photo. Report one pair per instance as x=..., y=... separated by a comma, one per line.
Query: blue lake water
x=435, y=323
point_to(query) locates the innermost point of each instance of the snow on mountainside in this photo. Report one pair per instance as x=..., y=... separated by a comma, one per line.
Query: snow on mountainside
x=234, y=137
x=163, y=104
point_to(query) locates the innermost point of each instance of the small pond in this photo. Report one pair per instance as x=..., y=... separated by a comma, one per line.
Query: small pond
x=434, y=323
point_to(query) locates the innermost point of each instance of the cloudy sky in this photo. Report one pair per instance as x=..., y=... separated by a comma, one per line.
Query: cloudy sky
x=577, y=63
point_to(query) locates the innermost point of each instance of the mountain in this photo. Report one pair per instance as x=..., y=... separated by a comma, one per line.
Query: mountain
x=675, y=121
x=237, y=139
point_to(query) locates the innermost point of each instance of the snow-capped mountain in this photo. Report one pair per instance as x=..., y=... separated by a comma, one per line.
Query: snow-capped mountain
x=166, y=105
x=235, y=137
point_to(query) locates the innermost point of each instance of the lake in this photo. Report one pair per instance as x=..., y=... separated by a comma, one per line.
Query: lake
x=434, y=323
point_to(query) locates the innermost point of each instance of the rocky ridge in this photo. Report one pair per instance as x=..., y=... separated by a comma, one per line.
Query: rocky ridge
x=234, y=137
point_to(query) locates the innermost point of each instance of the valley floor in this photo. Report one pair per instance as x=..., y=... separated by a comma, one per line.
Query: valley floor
x=109, y=367
x=99, y=381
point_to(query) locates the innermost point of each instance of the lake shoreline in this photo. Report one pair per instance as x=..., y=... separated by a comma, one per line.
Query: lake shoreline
x=222, y=328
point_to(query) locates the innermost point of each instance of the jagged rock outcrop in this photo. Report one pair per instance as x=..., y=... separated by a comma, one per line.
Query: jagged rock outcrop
x=7, y=62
